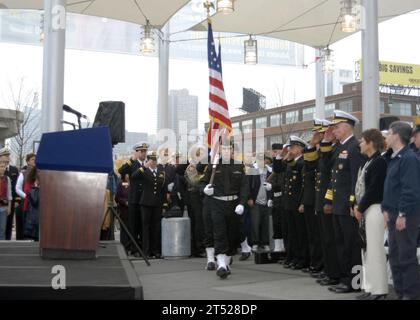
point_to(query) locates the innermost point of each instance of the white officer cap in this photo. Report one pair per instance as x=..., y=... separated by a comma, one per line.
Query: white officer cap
x=294, y=140
x=341, y=116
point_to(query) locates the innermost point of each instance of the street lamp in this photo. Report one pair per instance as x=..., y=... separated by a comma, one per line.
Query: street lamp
x=328, y=65
x=225, y=6
x=348, y=16
x=250, y=51
x=147, y=44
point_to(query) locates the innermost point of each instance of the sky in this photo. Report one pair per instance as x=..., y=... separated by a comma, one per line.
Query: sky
x=92, y=77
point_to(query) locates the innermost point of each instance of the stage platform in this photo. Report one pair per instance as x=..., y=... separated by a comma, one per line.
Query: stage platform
x=25, y=275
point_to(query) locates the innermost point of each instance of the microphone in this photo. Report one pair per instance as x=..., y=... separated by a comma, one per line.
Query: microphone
x=71, y=110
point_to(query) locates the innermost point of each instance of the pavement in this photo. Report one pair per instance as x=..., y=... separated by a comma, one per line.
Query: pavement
x=186, y=279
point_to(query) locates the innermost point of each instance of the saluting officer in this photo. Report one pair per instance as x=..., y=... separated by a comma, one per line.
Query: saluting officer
x=325, y=154
x=297, y=255
x=134, y=211
x=308, y=200
x=344, y=172
x=227, y=196
x=152, y=201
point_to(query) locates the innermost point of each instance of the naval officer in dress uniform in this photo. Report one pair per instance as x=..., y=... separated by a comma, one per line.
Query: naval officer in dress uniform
x=341, y=195
x=134, y=212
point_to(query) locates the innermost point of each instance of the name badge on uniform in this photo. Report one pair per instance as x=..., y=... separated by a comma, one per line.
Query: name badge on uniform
x=343, y=155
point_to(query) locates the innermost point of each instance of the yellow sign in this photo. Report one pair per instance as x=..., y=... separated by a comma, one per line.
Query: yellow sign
x=403, y=74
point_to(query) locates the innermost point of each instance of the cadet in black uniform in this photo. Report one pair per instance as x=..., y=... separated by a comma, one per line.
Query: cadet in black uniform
x=153, y=199
x=134, y=212
x=341, y=194
x=227, y=196
x=308, y=201
x=297, y=256
x=275, y=184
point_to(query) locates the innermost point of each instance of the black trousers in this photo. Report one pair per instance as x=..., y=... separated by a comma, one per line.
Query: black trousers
x=348, y=246
x=195, y=212
x=151, y=235
x=20, y=222
x=277, y=214
x=329, y=250
x=225, y=221
x=208, y=224
x=292, y=237
x=124, y=239
x=312, y=221
x=403, y=256
x=9, y=223
x=135, y=223
x=302, y=239
x=260, y=225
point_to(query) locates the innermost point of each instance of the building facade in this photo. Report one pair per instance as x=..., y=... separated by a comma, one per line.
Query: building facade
x=297, y=119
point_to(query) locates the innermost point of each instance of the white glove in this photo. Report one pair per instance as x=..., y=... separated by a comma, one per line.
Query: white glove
x=239, y=209
x=171, y=186
x=270, y=203
x=268, y=186
x=179, y=196
x=209, y=190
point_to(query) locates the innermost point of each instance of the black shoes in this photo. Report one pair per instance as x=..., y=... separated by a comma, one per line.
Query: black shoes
x=211, y=266
x=328, y=282
x=341, y=288
x=244, y=256
x=222, y=273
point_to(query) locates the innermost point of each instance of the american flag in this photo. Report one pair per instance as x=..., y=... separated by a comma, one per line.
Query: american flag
x=220, y=125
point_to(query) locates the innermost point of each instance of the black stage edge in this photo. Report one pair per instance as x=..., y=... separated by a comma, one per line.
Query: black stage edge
x=24, y=275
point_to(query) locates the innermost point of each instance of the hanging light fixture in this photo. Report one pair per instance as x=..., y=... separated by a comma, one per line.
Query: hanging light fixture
x=147, y=44
x=41, y=29
x=348, y=16
x=250, y=51
x=225, y=6
x=328, y=66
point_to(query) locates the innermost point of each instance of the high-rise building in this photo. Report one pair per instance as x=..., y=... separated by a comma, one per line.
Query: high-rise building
x=131, y=138
x=183, y=107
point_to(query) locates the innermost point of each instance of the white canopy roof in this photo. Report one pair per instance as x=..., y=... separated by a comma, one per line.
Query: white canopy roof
x=157, y=11
x=309, y=22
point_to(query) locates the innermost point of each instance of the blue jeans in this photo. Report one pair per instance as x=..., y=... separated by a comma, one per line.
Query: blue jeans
x=3, y=221
x=403, y=256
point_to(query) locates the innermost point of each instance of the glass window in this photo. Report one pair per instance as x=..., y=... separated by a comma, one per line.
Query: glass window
x=306, y=135
x=400, y=109
x=329, y=110
x=382, y=107
x=275, y=139
x=261, y=123
x=275, y=120
x=308, y=114
x=246, y=125
x=292, y=116
x=346, y=106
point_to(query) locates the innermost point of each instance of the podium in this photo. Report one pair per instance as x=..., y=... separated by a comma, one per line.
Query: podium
x=74, y=168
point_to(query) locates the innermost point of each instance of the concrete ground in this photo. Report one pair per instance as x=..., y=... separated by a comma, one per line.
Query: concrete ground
x=186, y=279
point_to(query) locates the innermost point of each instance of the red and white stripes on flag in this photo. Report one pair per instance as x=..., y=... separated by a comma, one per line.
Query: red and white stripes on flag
x=220, y=125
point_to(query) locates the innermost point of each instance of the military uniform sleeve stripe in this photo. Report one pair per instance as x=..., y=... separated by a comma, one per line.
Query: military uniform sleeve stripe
x=329, y=195
x=326, y=148
x=310, y=156
x=352, y=198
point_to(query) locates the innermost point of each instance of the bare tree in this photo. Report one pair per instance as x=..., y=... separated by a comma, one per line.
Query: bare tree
x=24, y=102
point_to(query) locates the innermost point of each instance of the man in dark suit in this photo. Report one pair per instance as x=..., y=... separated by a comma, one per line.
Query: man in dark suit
x=13, y=173
x=153, y=198
x=134, y=212
x=344, y=172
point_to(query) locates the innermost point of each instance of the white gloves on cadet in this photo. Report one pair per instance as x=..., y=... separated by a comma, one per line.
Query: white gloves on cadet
x=171, y=186
x=209, y=190
x=239, y=209
x=268, y=186
x=270, y=203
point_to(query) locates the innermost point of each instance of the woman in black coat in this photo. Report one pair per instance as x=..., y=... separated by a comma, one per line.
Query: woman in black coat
x=369, y=194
